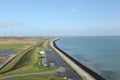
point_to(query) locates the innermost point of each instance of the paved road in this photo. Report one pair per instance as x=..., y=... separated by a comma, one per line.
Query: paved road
x=52, y=56
x=34, y=73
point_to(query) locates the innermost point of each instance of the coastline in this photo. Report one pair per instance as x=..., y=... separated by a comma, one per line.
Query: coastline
x=79, y=68
x=12, y=56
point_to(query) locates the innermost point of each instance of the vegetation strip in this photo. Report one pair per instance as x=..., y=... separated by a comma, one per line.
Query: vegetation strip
x=34, y=73
x=9, y=60
x=9, y=66
x=32, y=68
x=36, y=77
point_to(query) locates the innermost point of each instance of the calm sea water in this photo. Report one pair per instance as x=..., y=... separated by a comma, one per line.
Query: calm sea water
x=101, y=54
x=8, y=52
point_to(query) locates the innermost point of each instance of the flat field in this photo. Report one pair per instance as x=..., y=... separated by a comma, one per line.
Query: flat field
x=29, y=62
x=17, y=43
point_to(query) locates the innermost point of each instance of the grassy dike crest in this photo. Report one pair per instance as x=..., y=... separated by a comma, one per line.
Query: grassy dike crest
x=28, y=62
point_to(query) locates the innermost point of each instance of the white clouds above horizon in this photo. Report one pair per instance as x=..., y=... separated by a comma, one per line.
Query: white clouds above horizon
x=101, y=28
x=10, y=23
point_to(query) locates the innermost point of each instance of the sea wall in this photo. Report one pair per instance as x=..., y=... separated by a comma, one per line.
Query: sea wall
x=86, y=69
x=9, y=65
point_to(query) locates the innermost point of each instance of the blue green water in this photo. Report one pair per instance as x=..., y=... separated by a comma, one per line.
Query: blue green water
x=101, y=54
x=8, y=52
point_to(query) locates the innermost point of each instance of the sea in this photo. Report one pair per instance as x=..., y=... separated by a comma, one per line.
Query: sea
x=100, y=53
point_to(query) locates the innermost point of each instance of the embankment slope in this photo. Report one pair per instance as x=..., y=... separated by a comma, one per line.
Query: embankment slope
x=79, y=68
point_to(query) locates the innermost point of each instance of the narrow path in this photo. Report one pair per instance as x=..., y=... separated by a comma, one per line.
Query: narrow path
x=61, y=69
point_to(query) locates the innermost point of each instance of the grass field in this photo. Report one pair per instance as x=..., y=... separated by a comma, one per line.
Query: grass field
x=12, y=46
x=11, y=64
x=29, y=62
x=37, y=77
x=18, y=43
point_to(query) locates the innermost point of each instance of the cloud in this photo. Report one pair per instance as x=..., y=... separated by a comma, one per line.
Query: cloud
x=105, y=25
x=10, y=23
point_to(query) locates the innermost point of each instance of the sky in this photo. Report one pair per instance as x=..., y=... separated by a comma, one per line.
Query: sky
x=59, y=17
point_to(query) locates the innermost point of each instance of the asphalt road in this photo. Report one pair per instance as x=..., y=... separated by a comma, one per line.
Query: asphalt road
x=53, y=57
x=34, y=73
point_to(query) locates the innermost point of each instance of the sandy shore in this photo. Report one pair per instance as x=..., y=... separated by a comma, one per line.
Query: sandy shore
x=75, y=67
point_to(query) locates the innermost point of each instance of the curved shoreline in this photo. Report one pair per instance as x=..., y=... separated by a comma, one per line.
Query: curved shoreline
x=12, y=58
x=79, y=68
